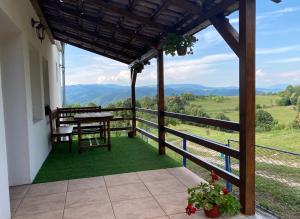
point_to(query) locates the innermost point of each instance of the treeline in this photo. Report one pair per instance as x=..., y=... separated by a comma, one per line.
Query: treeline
x=290, y=96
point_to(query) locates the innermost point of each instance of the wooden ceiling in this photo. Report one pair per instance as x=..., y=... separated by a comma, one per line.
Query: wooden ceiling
x=126, y=30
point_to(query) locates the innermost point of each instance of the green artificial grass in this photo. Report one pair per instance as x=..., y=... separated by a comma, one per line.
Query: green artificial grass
x=127, y=155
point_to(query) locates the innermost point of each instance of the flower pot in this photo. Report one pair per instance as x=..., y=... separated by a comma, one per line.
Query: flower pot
x=214, y=212
x=181, y=50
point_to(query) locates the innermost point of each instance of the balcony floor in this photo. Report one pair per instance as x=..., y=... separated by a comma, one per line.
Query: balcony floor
x=157, y=194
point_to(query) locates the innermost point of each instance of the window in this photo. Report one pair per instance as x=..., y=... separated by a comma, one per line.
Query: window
x=35, y=81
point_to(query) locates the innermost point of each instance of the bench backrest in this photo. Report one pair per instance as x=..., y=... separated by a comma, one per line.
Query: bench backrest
x=66, y=115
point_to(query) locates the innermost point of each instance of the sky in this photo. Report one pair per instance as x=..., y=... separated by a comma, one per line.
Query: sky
x=213, y=62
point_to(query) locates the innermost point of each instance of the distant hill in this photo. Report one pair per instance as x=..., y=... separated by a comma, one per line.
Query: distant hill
x=103, y=94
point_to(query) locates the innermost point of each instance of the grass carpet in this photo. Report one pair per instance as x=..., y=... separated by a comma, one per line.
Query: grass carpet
x=127, y=155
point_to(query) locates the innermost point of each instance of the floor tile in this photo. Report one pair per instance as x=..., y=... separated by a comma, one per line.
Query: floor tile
x=18, y=192
x=93, y=211
x=86, y=183
x=80, y=198
x=47, y=188
x=187, y=177
x=173, y=203
x=155, y=175
x=41, y=204
x=47, y=215
x=137, y=209
x=129, y=191
x=14, y=204
x=166, y=187
x=121, y=179
x=198, y=215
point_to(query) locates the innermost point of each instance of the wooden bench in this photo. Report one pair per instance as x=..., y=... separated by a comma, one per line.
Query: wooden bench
x=66, y=118
x=59, y=133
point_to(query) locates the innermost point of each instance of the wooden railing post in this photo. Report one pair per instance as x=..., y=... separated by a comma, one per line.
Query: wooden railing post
x=133, y=101
x=247, y=104
x=160, y=101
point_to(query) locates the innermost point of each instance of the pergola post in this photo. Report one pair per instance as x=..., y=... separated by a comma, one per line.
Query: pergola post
x=133, y=102
x=247, y=104
x=160, y=101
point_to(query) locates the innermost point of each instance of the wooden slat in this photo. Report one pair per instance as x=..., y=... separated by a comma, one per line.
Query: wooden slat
x=247, y=104
x=116, y=109
x=203, y=163
x=128, y=14
x=149, y=123
x=206, y=121
x=149, y=135
x=216, y=146
x=119, y=59
x=161, y=101
x=144, y=110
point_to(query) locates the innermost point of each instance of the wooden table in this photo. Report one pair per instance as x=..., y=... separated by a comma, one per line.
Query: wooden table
x=103, y=119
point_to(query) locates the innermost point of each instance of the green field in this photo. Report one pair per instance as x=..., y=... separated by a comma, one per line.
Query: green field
x=229, y=106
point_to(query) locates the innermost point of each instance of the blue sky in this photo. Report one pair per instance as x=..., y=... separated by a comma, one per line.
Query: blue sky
x=213, y=63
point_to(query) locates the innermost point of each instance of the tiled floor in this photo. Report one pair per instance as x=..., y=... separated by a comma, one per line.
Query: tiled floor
x=159, y=194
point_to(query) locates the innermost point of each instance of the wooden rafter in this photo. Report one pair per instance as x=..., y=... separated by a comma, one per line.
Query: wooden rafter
x=126, y=13
x=105, y=49
x=96, y=35
x=109, y=26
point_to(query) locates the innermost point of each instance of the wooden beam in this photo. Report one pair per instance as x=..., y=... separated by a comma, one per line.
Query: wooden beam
x=227, y=31
x=217, y=9
x=100, y=46
x=40, y=14
x=119, y=59
x=109, y=26
x=92, y=35
x=247, y=105
x=113, y=7
x=161, y=101
x=133, y=100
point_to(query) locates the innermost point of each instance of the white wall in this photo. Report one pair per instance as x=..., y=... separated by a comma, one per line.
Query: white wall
x=30, y=145
x=4, y=197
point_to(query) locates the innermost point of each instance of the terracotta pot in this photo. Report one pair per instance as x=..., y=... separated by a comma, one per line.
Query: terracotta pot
x=181, y=51
x=214, y=212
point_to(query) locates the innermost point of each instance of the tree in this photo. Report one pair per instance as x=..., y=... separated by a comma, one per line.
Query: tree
x=298, y=104
x=91, y=104
x=264, y=121
x=284, y=101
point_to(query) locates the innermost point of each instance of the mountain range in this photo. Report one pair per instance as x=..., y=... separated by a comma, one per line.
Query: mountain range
x=103, y=94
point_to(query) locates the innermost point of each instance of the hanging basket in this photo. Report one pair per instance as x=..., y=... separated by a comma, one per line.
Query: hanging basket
x=213, y=213
x=181, y=50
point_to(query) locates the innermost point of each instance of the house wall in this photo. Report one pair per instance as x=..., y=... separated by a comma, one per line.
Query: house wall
x=26, y=143
x=4, y=197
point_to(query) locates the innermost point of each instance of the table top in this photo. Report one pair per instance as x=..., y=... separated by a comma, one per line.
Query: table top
x=103, y=115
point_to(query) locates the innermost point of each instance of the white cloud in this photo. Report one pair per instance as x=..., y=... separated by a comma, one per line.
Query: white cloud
x=292, y=75
x=285, y=61
x=270, y=14
x=260, y=73
x=278, y=50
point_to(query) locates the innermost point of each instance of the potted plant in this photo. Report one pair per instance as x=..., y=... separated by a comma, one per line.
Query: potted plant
x=212, y=198
x=138, y=67
x=180, y=44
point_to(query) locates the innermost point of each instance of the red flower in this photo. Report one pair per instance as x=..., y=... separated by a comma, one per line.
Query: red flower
x=225, y=191
x=214, y=177
x=190, y=209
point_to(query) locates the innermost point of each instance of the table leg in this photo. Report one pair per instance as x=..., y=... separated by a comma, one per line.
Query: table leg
x=108, y=135
x=79, y=136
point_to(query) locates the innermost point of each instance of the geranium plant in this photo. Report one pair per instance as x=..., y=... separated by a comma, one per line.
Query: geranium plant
x=181, y=44
x=212, y=198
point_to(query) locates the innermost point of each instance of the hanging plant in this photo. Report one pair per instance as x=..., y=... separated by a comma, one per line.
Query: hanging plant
x=138, y=67
x=181, y=44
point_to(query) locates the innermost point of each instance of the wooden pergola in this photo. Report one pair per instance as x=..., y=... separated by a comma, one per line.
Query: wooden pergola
x=132, y=31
